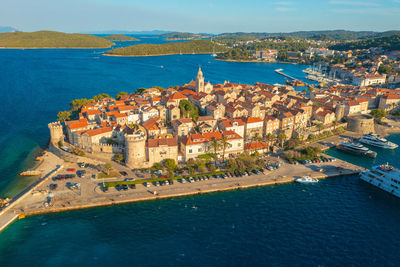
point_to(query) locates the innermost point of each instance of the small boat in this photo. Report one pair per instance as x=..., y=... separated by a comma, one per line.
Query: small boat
x=306, y=180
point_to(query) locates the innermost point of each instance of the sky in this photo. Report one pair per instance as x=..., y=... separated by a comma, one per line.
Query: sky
x=206, y=16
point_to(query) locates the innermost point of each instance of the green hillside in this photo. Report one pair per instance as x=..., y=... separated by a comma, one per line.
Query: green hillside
x=51, y=39
x=120, y=38
x=391, y=42
x=189, y=47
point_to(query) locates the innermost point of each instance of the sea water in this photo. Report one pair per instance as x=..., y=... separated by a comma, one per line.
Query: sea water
x=337, y=222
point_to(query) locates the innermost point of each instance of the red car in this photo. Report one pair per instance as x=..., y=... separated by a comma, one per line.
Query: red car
x=165, y=176
x=71, y=170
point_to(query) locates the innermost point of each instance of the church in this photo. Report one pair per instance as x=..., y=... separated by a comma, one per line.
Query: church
x=199, y=83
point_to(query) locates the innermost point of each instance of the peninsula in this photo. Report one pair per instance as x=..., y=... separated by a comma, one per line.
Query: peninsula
x=173, y=48
x=120, y=38
x=51, y=39
x=193, y=139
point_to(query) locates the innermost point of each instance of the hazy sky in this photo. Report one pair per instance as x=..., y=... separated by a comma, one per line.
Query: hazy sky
x=214, y=16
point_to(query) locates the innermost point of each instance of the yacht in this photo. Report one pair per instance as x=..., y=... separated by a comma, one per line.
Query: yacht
x=357, y=149
x=306, y=180
x=385, y=177
x=376, y=140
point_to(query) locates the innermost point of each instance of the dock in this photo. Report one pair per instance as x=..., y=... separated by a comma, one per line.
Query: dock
x=31, y=201
x=279, y=71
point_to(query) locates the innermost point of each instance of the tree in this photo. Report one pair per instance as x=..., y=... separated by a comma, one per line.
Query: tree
x=271, y=138
x=319, y=127
x=100, y=97
x=63, y=116
x=379, y=113
x=119, y=157
x=282, y=55
x=215, y=144
x=140, y=90
x=282, y=137
x=188, y=110
x=335, y=123
x=108, y=167
x=170, y=164
x=211, y=167
x=120, y=94
x=224, y=144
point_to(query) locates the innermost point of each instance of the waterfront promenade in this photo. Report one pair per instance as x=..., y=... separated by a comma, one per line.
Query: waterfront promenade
x=33, y=201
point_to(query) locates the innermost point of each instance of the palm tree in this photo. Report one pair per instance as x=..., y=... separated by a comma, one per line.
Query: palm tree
x=282, y=137
x=271, y=138
x=256, y=138
x=215, y=144
x=320, y=126
x=224, y=144
x=335, y=123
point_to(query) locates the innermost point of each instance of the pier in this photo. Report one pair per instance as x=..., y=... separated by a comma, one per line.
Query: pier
x=279, y=71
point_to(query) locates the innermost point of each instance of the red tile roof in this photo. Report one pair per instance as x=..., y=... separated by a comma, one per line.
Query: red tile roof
x=98, y=131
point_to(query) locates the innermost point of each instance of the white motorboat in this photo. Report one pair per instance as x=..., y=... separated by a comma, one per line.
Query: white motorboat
x=385, y=177
x=306, y=180
x=376, y=140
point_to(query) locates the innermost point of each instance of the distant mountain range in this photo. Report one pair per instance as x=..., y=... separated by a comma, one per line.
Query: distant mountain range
x=153, y=32
x=7, y=29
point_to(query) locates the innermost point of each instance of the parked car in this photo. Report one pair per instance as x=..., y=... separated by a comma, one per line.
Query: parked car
x=132, y=186
x=71, y=170
x=123, y=173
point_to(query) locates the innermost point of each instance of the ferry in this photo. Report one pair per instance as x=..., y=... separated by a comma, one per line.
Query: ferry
x=376, y=140
x=356, y=149
x=306, y=180
x=385, y=177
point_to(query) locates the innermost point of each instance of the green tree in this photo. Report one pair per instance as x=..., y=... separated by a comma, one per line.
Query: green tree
x=379, y=113
x=225, y=144
x=140, y=90
x=320, y=126
x=170, y=164
x=108, y=167
x=216, y=145
x=63, y=116
x=282, y=137
x=335, y=123
x=120, y=94
x=119, y=157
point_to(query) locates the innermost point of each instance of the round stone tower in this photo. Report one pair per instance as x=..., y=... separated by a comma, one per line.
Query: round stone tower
x=363, y=124
x=56, y=132
x=135, y=151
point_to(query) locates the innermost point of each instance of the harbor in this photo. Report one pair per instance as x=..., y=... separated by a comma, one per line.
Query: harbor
x=90, y=193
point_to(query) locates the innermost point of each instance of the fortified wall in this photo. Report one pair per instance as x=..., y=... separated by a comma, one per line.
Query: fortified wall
x=362, y=124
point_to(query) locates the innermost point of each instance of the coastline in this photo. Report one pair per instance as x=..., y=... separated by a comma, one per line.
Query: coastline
x=22, y=48
x=30, y=202
x=257, y=61
x=110, y=55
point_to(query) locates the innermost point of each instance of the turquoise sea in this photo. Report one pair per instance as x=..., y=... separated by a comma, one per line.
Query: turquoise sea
x=337, y=222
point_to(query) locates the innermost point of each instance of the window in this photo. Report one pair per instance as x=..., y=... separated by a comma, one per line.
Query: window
x=190, y=151
x=200, y=149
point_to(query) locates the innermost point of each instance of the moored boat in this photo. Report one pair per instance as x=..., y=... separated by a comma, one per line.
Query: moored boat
x=306, y=180
x=385, y=177
x=376, y=140
x=356, y=149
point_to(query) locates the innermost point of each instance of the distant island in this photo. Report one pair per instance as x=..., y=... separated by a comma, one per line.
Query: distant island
x=51, y=39
x=189, y=47
x=120, y=38
x=183, y=36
